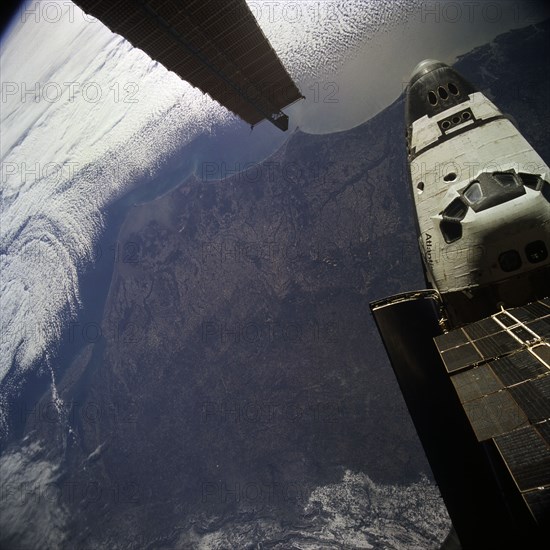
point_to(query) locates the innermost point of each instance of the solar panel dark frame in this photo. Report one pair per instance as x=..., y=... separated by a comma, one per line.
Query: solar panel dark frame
x=506, y=392
x=486, y=339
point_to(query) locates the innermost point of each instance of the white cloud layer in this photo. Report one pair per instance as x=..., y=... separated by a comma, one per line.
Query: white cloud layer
x=31, y=511
x=353, y=513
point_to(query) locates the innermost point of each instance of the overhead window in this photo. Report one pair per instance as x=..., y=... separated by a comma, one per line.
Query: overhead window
x=452, y=88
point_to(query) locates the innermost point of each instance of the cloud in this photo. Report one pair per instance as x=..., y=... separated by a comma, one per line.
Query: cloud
x=31, y=515
x=363, y=514
x=81, y=131
x=86, y=117
x=355, y=512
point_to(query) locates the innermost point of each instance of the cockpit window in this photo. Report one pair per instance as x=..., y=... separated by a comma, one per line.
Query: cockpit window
x=491, y=189
x=506, y=179
x=450, y=225
x=533, y=181
x=455, y=211
x=473, y=192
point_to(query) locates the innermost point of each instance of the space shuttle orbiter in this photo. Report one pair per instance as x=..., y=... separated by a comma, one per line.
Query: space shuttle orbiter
x=481, y=193
x=472, y=352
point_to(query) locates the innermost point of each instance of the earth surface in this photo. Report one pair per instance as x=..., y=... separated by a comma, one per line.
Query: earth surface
x=220, y=383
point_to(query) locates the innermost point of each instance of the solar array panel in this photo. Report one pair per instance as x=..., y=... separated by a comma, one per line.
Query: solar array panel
x=527, y=454
x=500, y=369
x=216, y=45
x=494, y=337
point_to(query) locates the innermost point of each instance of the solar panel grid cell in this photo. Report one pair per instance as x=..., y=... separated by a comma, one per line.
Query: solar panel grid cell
x=517, y=368
x=539, y=309
x=494, y=414
x=543, y=354
x=527, y=456
x=497, y=345
x=523, y=334
x=505, y=319
x=451, y=340
x=539, y=503
x=482, y=328
x=475, y=383
x=541, y=327
x=460, y=357
x=533, y=397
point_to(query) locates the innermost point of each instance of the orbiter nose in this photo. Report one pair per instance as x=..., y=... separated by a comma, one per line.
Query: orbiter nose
x=433, y=88
x=424, y=67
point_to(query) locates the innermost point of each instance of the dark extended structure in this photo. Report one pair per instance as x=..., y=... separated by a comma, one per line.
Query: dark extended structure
x=471, y=353
x=215, y=45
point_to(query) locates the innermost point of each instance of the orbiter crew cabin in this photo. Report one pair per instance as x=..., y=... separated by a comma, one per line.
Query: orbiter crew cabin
x=481, y=192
